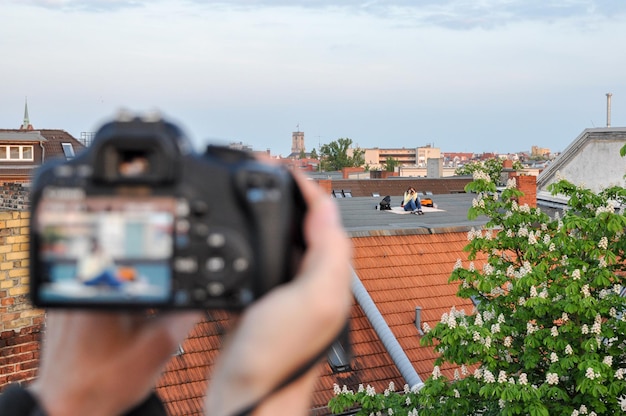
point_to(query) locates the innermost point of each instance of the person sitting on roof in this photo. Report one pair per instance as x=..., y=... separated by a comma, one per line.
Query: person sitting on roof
x=411, y=202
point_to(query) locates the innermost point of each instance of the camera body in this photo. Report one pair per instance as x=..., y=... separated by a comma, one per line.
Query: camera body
x=140, y=220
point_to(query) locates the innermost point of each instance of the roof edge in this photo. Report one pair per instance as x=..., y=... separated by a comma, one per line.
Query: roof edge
x=409, y=231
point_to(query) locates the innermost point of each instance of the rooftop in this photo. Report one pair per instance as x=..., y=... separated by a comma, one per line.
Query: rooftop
x=402, y=262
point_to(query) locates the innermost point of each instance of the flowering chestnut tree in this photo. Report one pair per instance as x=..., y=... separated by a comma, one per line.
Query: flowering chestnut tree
x=548, y=332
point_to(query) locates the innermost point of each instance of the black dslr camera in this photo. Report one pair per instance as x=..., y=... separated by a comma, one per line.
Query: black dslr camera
x=140, y=220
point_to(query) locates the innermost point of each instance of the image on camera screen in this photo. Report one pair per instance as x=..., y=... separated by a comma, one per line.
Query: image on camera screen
x=105, y=250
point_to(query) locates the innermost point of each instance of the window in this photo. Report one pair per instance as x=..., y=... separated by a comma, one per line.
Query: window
x=16, y=152
x=68, y=151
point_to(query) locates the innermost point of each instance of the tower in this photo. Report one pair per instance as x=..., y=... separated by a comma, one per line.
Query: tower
x=297, y=142
x=26, y=124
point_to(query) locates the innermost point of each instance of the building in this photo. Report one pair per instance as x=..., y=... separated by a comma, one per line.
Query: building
x=377, y=157
x=297, y=142
x=24, y=149
x=542, y=152
x=592, y=159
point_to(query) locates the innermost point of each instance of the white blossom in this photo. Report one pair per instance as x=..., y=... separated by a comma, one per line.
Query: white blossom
x=523, y=379
x=584, y=329
x=554, y=331
x=495, y=328
x=436, y=372
x=511, y=183
x=336, y=389
x=590, y=374
x=488, y=375
x=458, y=264
x=507, y=342
x=552, y=378
x=585, y=291
x=576, y=274
x=553, y=357
x=569, y=350
x=502, y=377
x=552, y=247
x=604, y=243
x=620, y=373
x=533, y=292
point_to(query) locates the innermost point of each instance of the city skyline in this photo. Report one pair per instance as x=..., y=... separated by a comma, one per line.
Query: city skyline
x=463, y=76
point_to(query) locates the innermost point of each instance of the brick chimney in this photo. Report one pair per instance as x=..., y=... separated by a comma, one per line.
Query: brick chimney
x=528, y=185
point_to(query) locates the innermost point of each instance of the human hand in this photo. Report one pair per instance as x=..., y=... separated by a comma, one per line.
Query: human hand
x=104, y=363
x=290, y=325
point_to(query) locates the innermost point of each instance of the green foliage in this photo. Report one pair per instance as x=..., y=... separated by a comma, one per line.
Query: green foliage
x=313, y=154
x=334, y=155
x=391, y=164
x=492, y=167
x=548, y=334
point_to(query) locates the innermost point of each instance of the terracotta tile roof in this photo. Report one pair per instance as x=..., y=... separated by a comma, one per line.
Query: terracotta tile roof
x=400, y=272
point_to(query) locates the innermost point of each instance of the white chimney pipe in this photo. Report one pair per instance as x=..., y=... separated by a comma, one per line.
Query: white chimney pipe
x=608, y=109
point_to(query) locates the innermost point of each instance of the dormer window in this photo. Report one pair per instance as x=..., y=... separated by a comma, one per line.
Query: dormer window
x=68, y=151
x=16, y=152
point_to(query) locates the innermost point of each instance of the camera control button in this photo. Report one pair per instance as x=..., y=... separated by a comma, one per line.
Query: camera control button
x=185, y=265
x=215, y=264
x=216, y=240
x=241, y=264
x=215, y=288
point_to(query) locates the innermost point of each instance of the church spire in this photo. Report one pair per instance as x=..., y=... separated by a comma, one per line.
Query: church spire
x=26, y=125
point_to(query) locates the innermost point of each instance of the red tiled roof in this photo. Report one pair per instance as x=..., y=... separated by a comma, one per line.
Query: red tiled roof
x=400, y=272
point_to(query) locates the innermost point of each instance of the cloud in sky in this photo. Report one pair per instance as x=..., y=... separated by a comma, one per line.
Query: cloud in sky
x=463, y=74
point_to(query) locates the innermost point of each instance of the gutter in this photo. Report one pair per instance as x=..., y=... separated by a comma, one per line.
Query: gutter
x=384, y=333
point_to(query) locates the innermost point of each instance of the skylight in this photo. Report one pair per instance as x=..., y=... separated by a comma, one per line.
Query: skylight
x=68, y=151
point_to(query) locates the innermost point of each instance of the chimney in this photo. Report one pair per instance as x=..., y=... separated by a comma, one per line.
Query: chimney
x=528, y=185
x=418, y=320
x=608, y=109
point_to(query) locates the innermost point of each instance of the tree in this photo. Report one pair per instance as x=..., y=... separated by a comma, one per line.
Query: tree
x=548, y=334
x=302, y=154
x=334, y=155
x=313, y=154
x=391, y=164
x=492, y=167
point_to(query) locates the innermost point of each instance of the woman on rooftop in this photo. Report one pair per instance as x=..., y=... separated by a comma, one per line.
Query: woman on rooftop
x=411, y=202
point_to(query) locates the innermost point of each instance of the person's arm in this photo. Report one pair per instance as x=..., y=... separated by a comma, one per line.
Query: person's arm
x=290, y=325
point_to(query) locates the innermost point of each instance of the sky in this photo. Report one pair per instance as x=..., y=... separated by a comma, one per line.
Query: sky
x=461, y=75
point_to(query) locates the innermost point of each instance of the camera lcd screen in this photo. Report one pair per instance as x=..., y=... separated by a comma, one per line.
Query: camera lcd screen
x=104, y=250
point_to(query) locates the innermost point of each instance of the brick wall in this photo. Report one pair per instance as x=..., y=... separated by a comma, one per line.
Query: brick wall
x=20, y=324
x=397, y=186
